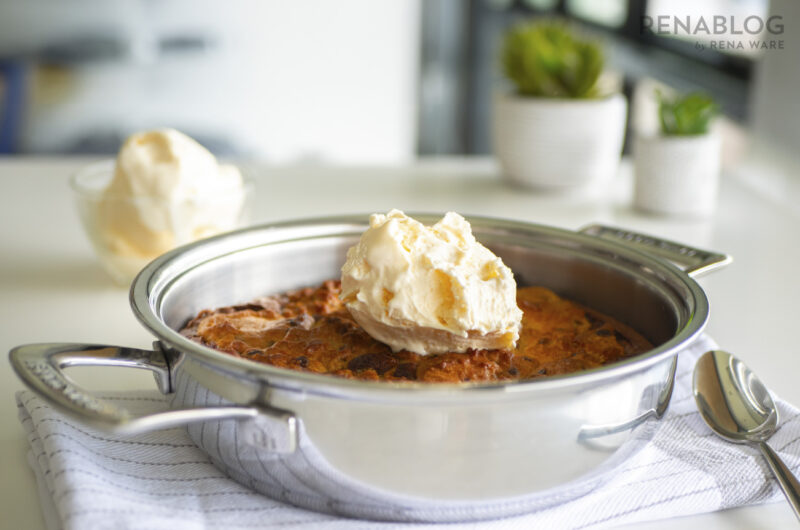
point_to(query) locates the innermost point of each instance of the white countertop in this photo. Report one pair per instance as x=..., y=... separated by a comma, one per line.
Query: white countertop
x=52, y=289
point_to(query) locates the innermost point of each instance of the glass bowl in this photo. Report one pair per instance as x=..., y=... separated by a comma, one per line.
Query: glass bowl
x=129, y=232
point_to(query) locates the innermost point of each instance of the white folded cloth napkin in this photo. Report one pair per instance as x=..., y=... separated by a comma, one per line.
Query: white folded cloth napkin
x=90, y=479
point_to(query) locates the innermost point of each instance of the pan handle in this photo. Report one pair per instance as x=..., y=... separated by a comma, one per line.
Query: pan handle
x=694, y=261
x=40, y=366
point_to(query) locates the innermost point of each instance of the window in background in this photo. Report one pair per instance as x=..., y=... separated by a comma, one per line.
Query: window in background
x=543, y=5
x=499, y=4
x=611, y=13
x=739, y=21
x=633, y=54
x=12, y=78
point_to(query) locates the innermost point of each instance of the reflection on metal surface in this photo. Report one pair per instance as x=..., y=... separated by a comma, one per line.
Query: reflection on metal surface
x=732, y=400
x=589, y=432
x=696, y=262
x=40, y=366
x=738, y=407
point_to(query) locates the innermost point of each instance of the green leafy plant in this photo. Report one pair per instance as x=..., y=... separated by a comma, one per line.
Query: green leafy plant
x=687, y=114
x=545, y=59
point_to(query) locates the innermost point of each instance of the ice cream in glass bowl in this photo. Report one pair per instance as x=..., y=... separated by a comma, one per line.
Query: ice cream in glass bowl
x=163, y=190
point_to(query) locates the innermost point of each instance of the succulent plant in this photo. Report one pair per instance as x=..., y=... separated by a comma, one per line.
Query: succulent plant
x=686, y=114
x=545, y=59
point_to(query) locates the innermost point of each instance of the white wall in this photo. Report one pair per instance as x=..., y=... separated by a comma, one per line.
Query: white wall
x=334, y=80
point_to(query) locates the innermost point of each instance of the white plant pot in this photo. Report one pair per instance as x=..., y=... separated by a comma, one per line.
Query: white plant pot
x=677, y=175
x=558, y=143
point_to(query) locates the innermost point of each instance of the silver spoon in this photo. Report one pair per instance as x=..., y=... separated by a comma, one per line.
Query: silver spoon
x=738, y=407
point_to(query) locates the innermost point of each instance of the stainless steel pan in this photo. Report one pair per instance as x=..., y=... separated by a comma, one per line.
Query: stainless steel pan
x=442, y=452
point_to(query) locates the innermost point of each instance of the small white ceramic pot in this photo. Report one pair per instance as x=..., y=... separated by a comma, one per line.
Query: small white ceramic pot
x=677, y=175
x=549, y=143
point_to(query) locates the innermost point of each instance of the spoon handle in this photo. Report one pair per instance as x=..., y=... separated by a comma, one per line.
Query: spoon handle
x=787, y=480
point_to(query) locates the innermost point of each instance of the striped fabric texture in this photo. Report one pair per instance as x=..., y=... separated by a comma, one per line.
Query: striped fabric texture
x=90, y=479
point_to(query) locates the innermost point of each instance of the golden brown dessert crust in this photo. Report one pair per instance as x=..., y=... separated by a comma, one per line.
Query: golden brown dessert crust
x=311, y=330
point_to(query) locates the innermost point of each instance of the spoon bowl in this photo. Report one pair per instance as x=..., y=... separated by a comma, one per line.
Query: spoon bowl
x=732, y=399
x=737, y=406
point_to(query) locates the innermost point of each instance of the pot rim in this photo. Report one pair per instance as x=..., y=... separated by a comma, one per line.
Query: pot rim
x=155, y=279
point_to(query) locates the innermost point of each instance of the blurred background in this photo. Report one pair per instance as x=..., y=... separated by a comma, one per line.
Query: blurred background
x=351, y=81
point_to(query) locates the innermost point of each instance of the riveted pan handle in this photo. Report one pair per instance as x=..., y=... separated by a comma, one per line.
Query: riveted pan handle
x=694, y=261
x=40, y=366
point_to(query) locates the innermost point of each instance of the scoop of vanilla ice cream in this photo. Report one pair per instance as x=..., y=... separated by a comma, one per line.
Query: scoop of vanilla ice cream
x=167, y=190
x=429, y=289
